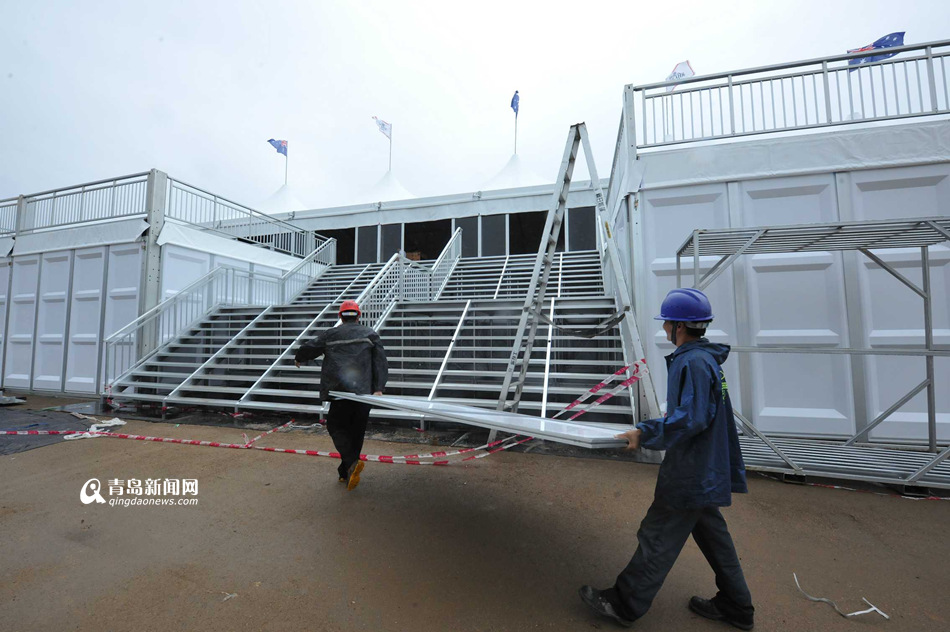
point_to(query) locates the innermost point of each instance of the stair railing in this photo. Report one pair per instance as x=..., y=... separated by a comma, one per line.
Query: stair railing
x=294, y=281
x=132, y=345
x=445, y=264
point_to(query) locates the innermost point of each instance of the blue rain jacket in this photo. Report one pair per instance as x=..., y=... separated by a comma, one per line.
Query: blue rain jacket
x=703, y=464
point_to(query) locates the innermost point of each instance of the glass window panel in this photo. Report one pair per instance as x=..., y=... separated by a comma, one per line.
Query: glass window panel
x=392, y=240
x=493, y=235
x=581, y=225
x=469, y=226
x=366, y=244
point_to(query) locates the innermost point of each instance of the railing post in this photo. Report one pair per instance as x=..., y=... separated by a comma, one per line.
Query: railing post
x=827, y=84
x=931, y=80
x=150, y=287
x=732, y=110
x=20, y=222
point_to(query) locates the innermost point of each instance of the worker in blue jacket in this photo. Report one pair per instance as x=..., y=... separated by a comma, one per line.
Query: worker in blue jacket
x=701, y=470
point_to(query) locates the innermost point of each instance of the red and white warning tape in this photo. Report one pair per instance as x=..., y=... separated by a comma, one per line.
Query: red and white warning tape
x=639, y=370
x=412, y=459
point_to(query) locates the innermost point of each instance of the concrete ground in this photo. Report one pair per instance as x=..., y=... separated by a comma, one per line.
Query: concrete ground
x=500, y=543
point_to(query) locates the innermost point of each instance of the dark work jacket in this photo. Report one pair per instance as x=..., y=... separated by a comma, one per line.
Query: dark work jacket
x=703, y=464
x=354, y=362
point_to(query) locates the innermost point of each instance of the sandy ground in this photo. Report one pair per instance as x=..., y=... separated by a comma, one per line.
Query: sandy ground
x=500, y=543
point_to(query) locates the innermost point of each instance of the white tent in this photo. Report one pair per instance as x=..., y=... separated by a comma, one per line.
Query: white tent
x=283, y=200
x=514, y=175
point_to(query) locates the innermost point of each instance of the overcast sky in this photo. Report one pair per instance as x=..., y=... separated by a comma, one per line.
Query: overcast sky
x=97, y=89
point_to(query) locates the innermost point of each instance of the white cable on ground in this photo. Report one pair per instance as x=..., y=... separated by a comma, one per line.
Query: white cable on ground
x=873, y=608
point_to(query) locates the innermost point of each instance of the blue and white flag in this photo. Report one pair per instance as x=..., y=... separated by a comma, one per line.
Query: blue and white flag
x=384, y=127
x=279, y=145
x=888, y=41
x=514, y=102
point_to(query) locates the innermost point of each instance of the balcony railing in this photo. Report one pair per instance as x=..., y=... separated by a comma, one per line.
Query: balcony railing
x=191, y=205
x=795, y=96
x=124, y=197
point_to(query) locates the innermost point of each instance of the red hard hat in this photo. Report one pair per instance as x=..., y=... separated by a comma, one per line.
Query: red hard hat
x=349, y=306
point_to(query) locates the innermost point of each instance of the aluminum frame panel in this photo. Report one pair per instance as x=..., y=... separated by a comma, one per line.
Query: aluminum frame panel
x=591, y=436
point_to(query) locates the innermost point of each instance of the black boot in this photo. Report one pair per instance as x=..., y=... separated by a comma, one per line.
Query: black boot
x=707, y=608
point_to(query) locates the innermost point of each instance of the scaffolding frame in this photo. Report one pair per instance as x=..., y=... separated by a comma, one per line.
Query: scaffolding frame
x=863, y=236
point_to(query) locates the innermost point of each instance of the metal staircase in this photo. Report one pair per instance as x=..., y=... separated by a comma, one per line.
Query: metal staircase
x=454, y=349
x=160, y=374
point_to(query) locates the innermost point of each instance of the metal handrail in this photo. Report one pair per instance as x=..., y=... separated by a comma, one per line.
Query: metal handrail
x=193, y=205
x=90, y=202
x=817, y=93
x=792, y=64
x=445, y=264
x=295, y=280
x=129, y=347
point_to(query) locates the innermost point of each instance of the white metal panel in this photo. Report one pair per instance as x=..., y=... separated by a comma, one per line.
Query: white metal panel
x=893, y=313
x=241, y=286
x=587, y=435
x=50, y=348
x=122, y=286
x=181, y=267
x=18, y=364
x=796, y=299
x=85, y=321
x=668, y=217
x=6, y=265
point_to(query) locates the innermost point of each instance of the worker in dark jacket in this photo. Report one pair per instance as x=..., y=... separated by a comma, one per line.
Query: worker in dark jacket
x=701, y=470
x=354, y=362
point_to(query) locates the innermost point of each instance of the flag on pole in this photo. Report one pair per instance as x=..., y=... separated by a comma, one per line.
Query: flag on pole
x=682, y=70
x=888, y=41
x=384, y=127
x=514, y=102
x=279, y=145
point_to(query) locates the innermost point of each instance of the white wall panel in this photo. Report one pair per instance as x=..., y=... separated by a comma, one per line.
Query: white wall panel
x=122, y=286
x=668, y=217
x=6, y=266
x=182, y=267
x=18, y=363
x=796, y=299
x=50, y=347
x=892, y=312
x=85, y=320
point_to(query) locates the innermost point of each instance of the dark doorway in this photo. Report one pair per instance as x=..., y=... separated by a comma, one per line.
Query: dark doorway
x=425, y=240
x=524, y=232
x=345, y=243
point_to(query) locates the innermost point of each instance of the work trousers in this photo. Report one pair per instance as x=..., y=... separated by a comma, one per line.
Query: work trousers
x=661, y=537
x=346, y=423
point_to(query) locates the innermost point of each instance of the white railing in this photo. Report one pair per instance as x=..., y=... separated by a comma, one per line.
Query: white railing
x=795, y=96
x=133, y=344
x=85, y=203
x=403, y=279
x=8, y=216
x=445, y=264
x=294, y=281
x=212, y=212
x=125, y=196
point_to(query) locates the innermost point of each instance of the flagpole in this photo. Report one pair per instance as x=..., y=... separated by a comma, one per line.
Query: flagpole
x=286, y=160
x=390, y=148
x=516, y=132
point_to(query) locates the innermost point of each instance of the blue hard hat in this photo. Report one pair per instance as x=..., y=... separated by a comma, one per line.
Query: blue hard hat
x=685, y=305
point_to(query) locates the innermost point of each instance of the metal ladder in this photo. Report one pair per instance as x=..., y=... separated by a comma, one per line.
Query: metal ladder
x=531, y=310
